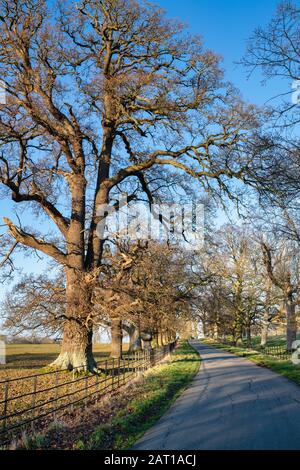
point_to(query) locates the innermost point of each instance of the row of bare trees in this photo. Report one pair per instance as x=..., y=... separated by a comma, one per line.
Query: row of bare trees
x=142, y=290
x=254, y=286
x=105, y=97
x=259, y=284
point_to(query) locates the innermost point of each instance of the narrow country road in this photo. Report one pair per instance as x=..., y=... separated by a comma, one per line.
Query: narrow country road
x=231, y=404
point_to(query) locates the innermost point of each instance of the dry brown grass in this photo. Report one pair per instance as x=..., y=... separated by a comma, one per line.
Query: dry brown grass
x=26, y=363
x=116, y=421
x=28, y=359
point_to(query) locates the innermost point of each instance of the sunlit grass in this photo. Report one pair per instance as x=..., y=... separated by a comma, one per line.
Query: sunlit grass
x=161, y=387
x=26, y=359
x=273, y=340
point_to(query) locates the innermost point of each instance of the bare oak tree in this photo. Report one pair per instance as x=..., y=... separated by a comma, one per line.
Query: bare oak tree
x=282, y=266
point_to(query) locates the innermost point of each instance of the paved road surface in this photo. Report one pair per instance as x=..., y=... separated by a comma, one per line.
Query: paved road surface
x=231, y=404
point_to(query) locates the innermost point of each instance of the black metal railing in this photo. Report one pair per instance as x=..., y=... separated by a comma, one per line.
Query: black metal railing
x=36, y=400
x=278, y=351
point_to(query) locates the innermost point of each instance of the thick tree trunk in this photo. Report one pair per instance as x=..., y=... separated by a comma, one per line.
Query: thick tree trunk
x=76, y=348
x=234, y=338
x=291, y=323
x=248, y=335
x=147, y=345
x=264, y=330
x=216, y=331
x=116, y=338
x=147, y=339
x=158, y=338
x=135, y=343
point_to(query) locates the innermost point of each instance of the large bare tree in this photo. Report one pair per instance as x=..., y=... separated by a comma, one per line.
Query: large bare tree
x=274, y=50
x=102, y=92
x=282, y=265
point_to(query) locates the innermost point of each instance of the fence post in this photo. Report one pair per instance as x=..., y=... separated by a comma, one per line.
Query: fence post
x=73, y=389
x=5, y=405
x=105, y=379
x=86, y=390
x=97, y=382
x=152, y=357
x=56, y=393
x=33, y=400
x=134, y=364
x=113, y=374
x=119, y=363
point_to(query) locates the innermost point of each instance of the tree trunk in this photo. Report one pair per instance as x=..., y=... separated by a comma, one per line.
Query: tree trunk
x=291, y=323
x=116, y=338
x=147, y=338
x=248, y=335
x=77, y=343
x=264, y=330
x=130, y=331
x=76, y=349
x=234, y=338
x=205, y=329
x=135, y=340
x=147, y=345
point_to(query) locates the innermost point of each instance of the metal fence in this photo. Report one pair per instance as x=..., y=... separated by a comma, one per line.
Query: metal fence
x=279, y=352
x=34, y=401
x=276, y=351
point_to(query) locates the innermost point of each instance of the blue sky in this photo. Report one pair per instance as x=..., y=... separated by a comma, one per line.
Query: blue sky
x=225, y=27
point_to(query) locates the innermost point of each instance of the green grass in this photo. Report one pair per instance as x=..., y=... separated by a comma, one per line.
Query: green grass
x=285, y=368
x=273, y=340
x=160, y=388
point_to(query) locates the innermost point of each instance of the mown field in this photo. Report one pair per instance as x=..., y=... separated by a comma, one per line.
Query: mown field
x=28, y=359
x=34, y=390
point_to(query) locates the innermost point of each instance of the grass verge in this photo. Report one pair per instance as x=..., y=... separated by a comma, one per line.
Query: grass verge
x=160, y=387
x=282, y=367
